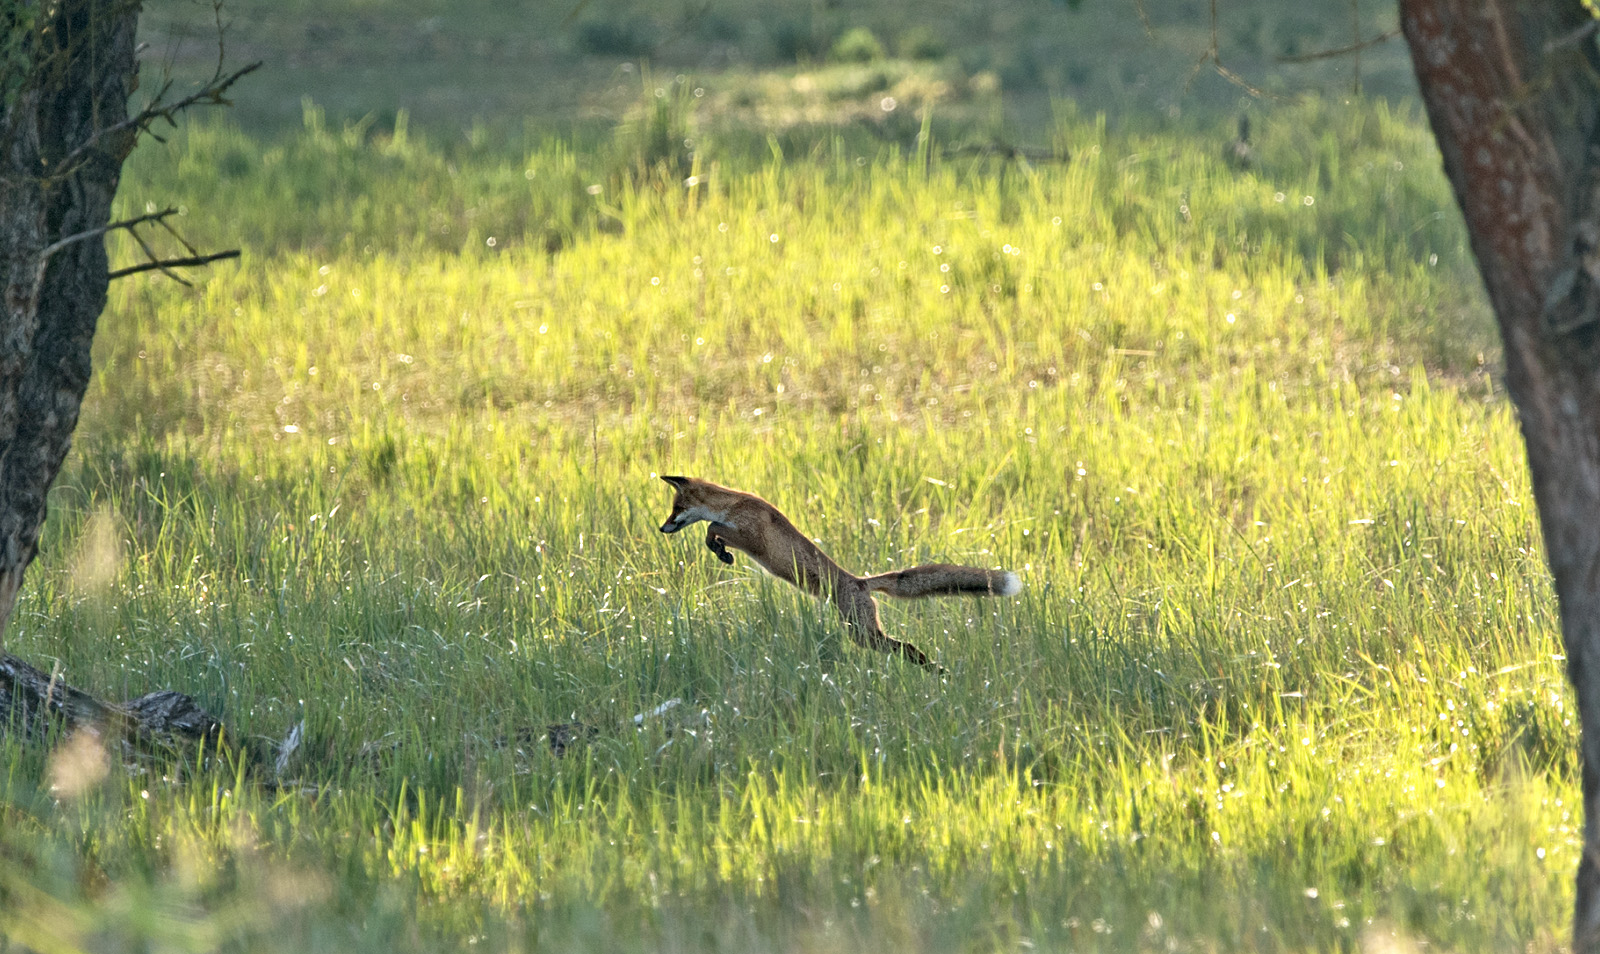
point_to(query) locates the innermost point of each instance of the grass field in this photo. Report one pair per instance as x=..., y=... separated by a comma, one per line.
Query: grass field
x=1285, y=673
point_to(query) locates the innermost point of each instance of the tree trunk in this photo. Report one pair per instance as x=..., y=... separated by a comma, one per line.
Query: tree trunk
x=58, y=174
x=1512, y=89
x=67, y=69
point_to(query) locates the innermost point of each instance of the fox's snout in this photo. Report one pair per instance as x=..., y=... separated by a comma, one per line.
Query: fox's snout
x=676, y=521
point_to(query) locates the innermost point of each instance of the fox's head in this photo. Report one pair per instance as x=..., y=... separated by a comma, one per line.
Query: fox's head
x=690, y=503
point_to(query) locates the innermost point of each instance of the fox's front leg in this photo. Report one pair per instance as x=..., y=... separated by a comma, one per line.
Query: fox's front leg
x=716, y=544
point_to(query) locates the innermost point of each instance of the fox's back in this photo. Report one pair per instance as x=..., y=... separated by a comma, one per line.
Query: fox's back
x=773, y=540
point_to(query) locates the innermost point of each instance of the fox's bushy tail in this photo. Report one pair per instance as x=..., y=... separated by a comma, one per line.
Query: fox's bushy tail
x=944, y=579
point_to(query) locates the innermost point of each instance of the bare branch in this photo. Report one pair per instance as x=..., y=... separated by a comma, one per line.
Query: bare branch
x=84, y=236
x=150, y=255
x=212, y=94
x=1383, y=37
x=572, y=15
x=155, y=262
x=54, y=247
x=1213, y=58
x=1241, y=82
x=166, y=264
x=1144, y=19
x=222, y=37
x=1572, y=38
x=1213, y=53
x=180, y=239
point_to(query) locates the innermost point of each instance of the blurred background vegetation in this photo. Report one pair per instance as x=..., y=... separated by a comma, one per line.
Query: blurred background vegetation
x=454, y=65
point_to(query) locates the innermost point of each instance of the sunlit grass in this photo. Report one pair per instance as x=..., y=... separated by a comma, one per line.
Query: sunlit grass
x=1284, y=674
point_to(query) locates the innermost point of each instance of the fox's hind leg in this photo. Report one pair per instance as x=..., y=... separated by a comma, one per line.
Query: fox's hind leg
x=860, y=612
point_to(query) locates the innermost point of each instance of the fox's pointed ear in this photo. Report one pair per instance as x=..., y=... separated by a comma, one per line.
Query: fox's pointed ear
x=675, y=481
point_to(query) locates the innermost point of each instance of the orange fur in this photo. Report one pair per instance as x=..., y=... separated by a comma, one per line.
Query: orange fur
x=747, y=523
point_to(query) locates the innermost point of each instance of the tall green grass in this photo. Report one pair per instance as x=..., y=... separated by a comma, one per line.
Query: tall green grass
x=1284, y=674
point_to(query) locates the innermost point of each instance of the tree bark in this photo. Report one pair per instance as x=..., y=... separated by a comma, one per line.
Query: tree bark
x=70, y=84
x=67, y=70
x=31, y=700
x=1512, y=89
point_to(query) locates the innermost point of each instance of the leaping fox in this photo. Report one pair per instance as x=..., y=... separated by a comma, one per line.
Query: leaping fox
x=746, y=522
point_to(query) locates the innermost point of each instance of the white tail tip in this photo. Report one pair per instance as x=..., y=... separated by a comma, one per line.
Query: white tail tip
x=1010, y=584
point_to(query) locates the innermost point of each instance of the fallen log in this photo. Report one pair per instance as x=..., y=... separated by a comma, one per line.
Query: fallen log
x=33, y=702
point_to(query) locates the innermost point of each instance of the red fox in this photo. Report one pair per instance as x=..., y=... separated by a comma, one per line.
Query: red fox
x=746, y=522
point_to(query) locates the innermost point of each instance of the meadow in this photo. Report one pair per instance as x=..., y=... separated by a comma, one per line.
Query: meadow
x=1284, y=675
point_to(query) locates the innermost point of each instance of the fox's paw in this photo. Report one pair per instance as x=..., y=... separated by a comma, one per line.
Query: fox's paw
x=716, y=545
